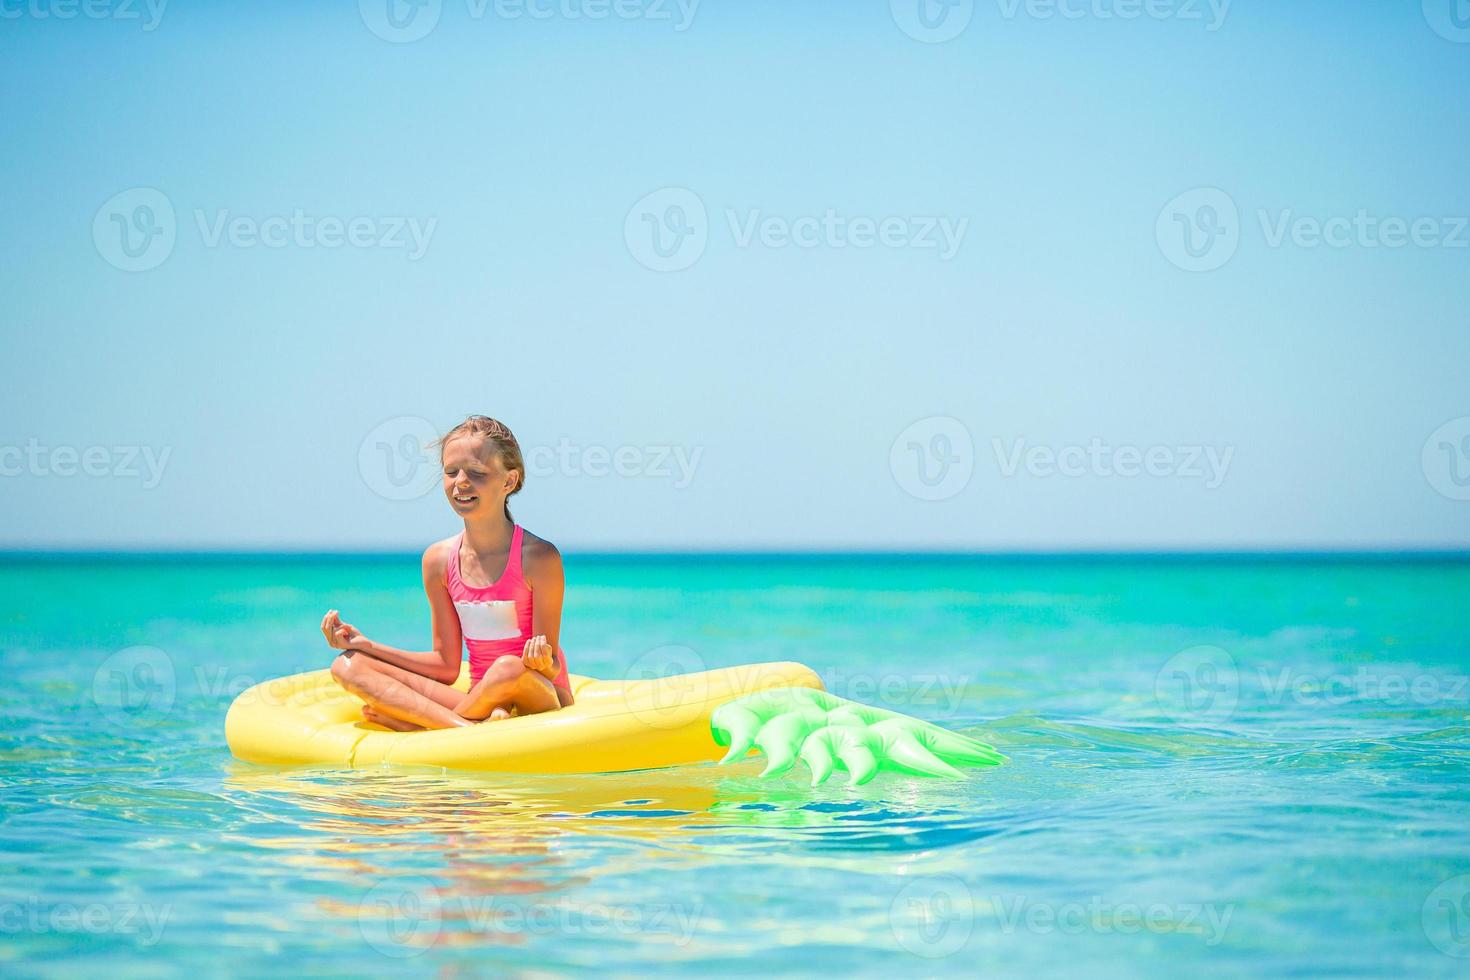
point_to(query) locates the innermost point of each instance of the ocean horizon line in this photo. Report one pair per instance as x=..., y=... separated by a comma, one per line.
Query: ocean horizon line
x=1224, y=555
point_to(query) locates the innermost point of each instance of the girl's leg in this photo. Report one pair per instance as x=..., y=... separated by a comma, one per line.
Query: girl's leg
x=388, y=721
x=508, y=684
x=369, y=713
x=399, y=693
x=435, y=691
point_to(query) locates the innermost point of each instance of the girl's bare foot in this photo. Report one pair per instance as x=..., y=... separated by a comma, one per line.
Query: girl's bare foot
x=388, y=721
x=498, y=714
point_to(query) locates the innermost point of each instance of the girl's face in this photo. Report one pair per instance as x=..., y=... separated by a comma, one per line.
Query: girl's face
x=474, y=477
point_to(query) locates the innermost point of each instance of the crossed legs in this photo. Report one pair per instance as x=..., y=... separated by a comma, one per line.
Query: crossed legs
x=404, y=701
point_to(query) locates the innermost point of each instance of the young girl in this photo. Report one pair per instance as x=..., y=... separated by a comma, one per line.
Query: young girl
x=494, y=587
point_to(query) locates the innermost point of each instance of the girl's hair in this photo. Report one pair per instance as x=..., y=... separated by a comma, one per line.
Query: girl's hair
x=501, y=438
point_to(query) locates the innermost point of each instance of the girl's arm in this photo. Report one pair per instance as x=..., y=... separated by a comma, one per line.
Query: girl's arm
x=548, y=584
x=442, y=662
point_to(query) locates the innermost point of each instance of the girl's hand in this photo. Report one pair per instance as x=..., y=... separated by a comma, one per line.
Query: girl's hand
x=340, y=635
x=537, y=655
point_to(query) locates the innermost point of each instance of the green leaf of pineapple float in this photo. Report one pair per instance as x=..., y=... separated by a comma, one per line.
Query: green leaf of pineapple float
x=828, y=732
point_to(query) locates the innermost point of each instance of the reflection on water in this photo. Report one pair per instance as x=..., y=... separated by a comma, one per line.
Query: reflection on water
x=444, y=816
x=453, y=859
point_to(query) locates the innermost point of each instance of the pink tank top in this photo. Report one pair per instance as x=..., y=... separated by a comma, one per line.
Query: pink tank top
x=495, y=620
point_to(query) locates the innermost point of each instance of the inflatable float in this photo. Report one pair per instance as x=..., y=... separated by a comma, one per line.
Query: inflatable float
x=828, y=733
x=614, y=726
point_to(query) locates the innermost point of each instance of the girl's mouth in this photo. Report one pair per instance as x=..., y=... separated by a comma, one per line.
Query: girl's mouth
x=465, y=498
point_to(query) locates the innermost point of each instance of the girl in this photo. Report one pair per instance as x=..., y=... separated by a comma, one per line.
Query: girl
x=494, y=587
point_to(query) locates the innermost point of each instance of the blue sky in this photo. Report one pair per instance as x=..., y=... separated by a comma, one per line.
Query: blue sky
x=928, y=294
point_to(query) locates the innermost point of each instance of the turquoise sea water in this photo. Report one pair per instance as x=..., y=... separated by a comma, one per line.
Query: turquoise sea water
x=1248, y=767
